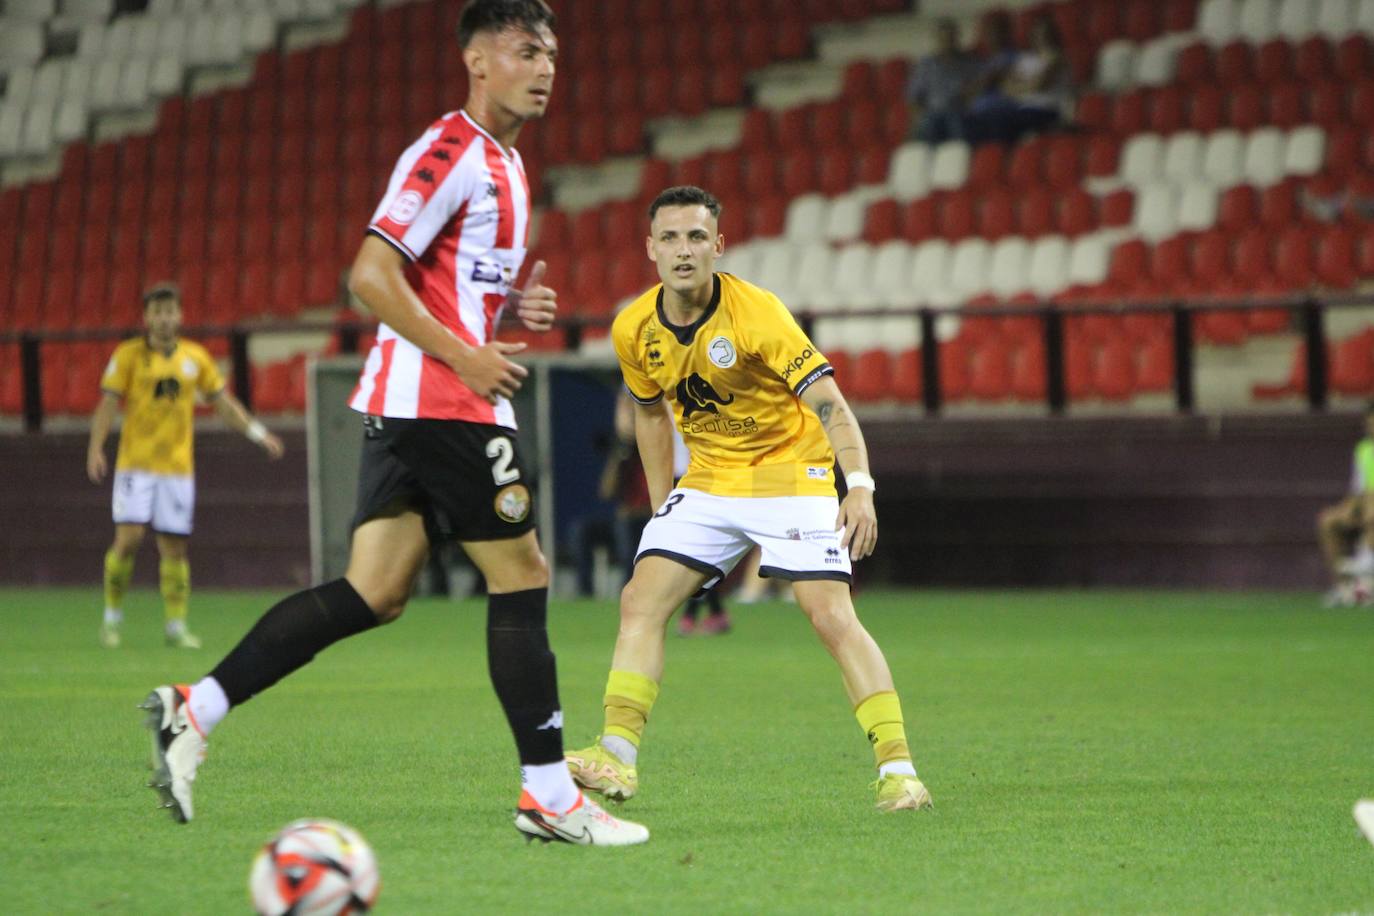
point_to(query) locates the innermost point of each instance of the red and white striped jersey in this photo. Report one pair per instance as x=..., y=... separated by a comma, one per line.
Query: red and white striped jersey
x=458, y=208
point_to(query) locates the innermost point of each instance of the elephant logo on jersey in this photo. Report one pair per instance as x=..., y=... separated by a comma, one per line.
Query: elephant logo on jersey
x=721, y=352
x=696, y=395
x=169, y=388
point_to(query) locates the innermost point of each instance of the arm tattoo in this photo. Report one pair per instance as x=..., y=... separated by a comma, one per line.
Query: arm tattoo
x=823, y=410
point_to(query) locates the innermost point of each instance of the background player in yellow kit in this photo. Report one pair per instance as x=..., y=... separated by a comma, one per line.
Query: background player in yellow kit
x=759, y=409
x=158, y=377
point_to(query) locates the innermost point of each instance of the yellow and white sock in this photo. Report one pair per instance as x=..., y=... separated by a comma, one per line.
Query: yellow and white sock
x=118, y=571
x=176, y=592
x=629, y=698
x=880, y=716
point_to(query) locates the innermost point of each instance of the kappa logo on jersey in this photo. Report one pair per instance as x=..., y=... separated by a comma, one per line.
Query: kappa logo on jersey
x=425, y=175
x=493, y=191
x=486, y=271
x=797, y=362
x=441, y=154
x=721, y=352
x=405, y=208
x=169, y=388
x=696, y=395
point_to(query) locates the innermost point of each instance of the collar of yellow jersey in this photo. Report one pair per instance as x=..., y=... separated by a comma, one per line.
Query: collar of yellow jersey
x=685, y=334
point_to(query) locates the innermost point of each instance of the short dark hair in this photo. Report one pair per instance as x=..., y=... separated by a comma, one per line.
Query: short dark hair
x=496, y=15
x=684, y=195
x=161, y=291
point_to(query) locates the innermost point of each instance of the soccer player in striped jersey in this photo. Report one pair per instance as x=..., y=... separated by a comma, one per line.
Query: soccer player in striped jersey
x=758, y=407
x=440, y=457
x=158, y=377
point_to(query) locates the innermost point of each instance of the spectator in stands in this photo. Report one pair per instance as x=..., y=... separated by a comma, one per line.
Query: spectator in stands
x=937, y=88
x=1350, y=523
x=997, y=56
x=1034, y=93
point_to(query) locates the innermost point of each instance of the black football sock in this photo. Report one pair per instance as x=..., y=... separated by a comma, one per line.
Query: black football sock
x=524, y=673
x=692, y=609
x=289, y=635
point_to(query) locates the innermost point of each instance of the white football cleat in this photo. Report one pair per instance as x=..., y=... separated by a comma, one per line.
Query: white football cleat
x=1364, y=816
x=584, y=824
x=178, y=747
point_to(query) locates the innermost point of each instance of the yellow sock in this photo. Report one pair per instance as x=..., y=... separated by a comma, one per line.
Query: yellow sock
x=176, y=588
x=629, y=697
x=880, y=716
x=117, y=574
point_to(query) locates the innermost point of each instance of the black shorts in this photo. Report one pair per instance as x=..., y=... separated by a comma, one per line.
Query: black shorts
x=466, y=479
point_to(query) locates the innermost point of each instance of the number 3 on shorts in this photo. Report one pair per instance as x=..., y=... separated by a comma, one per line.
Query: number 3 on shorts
x=672, y=500
x=502, y=452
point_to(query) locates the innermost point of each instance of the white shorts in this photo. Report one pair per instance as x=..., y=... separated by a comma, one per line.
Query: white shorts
x=710, y=533
x=165, y=501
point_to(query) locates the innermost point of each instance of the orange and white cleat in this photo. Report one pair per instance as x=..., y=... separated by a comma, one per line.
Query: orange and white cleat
x=584, y=824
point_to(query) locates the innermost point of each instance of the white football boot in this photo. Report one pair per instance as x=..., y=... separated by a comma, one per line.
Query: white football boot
x=178, y=747
x=584, y=824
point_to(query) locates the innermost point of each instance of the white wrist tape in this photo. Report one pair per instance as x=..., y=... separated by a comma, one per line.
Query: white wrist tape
x=256, y=432
x=859, y=479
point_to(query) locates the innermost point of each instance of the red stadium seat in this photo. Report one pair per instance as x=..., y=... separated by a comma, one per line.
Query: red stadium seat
x=1156, y=370
x=767, y=217
x=1293, y=261
x=1094, y=111
x=1102, y=156
x=956, y=220
x=1274, y=62
x=1211, y=257
x=726, y=86
x=1167, y=109
x=1117, y=208
x=857, y=82
x=996, y=214
x=1076, y=214
x=756, y=132
x=906, y=375
x=919, y=219
x=1361, y=103
x=1237, y=209
x=1169, y=263
x=881, y=221
x=1036, y=214
x=835, y=172
x=1233, y=64
x=1063, y=163
x=1141, y=21
x=990, y=371
x=1128, y=113
x=1352, y=60
x=1352, y=365
x=1128, y=265
x=798, y=173
x=954, y=371
x=761, y=175
x=1245, y=107
x=1114, y=376
x=985, y=166
x=1028, y=378
x=871, y=377
x=790, y=129
x=1336, y=265
x=1207, y=108
x=1326, y=103
x=1193, y=64
x=1025, y=168
x=1312, y=60
x=872, y=165
x=1253, y=255
x=1103, y=23
x=1342, y=149
x=1285, y=105
x=1278, y=205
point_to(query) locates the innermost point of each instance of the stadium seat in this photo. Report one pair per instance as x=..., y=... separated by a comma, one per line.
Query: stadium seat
x=1223, y=158
x=1142, y=159
x=1197, y=206
x=1156, y=212
x=949, y=165
x=1036, y=214
x=918, y=219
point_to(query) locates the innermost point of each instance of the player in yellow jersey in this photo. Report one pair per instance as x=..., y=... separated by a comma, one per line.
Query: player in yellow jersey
x=158, y=376
x=758, y=407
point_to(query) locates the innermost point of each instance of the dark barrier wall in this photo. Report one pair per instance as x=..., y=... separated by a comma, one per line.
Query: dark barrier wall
x=1216, y=502
x=1166, y=502
x=252, y=527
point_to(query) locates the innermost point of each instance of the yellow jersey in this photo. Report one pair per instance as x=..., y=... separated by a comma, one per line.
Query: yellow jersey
x=159, y=389
x=733, y=379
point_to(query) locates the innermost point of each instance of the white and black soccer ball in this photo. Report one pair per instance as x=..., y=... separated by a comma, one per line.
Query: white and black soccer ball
x=314, y=867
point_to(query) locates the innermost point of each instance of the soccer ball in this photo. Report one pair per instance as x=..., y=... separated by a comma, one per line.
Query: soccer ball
x=314, y=866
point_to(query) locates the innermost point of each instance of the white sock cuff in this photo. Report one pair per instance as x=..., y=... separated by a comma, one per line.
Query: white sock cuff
x=551, y=785
x=208, y=703
x=905, y=767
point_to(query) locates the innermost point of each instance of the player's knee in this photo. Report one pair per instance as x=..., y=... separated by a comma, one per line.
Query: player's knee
x=832, y=620
x=388, y=612
x=636, y=604
x=386, y=599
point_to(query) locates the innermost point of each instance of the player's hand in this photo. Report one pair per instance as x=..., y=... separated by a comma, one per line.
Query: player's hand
x=859, y=520
x=96, y=466
x=487, y=371
x=273, y=446
x=536, y=304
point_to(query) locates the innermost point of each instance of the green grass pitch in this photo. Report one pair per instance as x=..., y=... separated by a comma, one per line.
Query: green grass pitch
x=1087, y=752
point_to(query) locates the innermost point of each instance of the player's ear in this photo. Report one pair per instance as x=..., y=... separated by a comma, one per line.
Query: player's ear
x=649, y=248
x=475, y=60
x=720, y=244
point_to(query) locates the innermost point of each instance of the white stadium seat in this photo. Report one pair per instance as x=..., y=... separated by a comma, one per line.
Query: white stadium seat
x=1049, y=265
x=1257, y=20
x=1154, y=64
x=1217, y=20
x=816, y=262
x=1197, y=206
x=259, y=31
x=47, y=80
x=929, y=269
x=11, y=127
x=968, y=268
x=228, y=44
x=1142, y=160
x=776, y=267
x=1089, y=259
x=70, y=123
x=117, y=38
x=1008, y=267
x=1115, y=64
x=845, y=221
x=1223, y=158
x=1364, y=16
x=892, y=274
x=1335, y=18
x=829, y=335
x=898, y=333
x=806, y=216
x=1156, y=211
x=849, y=285
x=20, y=43
x=76, y=82
x=949, y=165
x=740, y=260
x=37, y=138
x=142, y=36
x=74, y=11
x=909, y=177
x=1296, y=20
x=1306, y=150
x=19, y=83
x=134, y=78
x=30, y=10
x=167, y=77
x=172, y=36
x=1264, y=157
x=105, y=84
x=1183, y=157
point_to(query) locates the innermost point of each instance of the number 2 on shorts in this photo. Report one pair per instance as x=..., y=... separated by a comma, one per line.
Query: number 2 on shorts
x=502, y=452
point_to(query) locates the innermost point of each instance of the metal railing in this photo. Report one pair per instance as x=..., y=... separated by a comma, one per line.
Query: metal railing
x=1309, y=312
